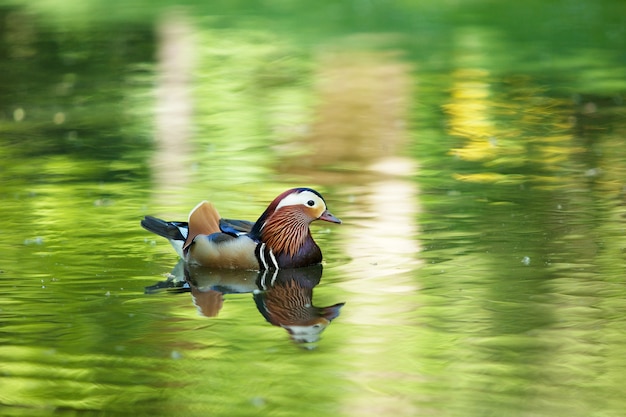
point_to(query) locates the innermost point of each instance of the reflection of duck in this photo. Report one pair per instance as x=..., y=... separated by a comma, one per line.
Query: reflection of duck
x=284, y=297
x=208, y=286
x=280, y=238
x=287, y=301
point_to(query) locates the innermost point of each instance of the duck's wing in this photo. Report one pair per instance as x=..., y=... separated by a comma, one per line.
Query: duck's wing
x=203, y=220
x=235, y=227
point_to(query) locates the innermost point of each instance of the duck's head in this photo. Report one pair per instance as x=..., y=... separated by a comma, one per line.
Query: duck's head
x=295, y=207
x=305, y=203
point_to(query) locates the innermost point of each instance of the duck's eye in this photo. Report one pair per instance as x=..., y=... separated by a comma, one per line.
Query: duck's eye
x=310, y=203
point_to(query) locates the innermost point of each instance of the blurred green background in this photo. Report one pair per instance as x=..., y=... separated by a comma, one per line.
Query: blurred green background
x=474, y=150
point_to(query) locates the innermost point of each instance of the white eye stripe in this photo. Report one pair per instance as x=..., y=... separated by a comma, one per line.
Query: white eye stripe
x=302, y=198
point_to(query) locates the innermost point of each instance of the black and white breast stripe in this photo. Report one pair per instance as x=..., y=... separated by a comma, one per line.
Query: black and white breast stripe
x=266, y=257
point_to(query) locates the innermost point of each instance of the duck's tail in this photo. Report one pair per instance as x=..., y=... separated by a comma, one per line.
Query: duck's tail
x=169, y=230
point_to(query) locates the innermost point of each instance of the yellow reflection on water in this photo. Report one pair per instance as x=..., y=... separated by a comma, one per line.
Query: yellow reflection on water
x=497, y=121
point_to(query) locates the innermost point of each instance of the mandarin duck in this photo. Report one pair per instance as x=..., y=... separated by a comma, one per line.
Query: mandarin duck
x=280, y=238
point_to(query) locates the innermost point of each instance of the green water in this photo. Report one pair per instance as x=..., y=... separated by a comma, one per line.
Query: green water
x=473, y=150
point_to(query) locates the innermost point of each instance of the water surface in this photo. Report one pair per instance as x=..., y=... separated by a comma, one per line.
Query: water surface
x=475, y=154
